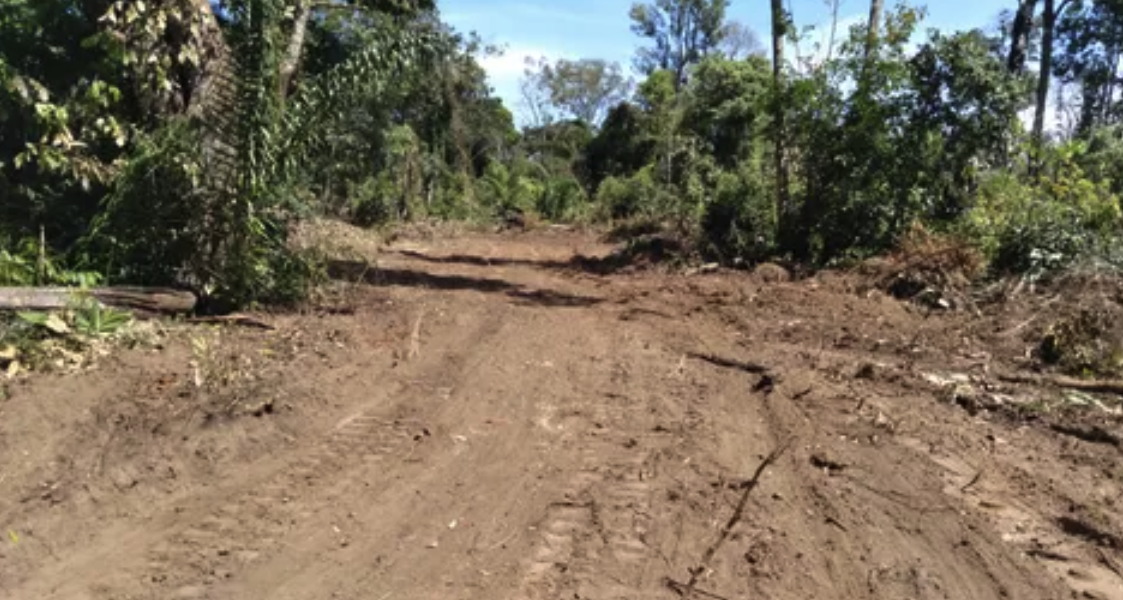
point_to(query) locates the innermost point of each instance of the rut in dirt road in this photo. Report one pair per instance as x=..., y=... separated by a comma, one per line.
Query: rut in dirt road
x=497, y=419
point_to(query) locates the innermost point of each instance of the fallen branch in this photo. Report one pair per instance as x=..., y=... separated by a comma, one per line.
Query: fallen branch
x=682, y=590
x=687, y=590
x=1083, y=385
x=1109, y=563
x=243, y=320
x=974, y=480
x=729, y=363
x=159, y=300
x=415, y=337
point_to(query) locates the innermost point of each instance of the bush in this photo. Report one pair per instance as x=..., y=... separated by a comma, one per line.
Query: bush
x=506, y=190
x=635, y=196
x=740, y=223
x=1025, y=228
x=563, y=200
x=371, y=201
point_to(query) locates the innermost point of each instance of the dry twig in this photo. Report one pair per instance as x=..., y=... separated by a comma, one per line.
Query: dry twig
x=690, y=588
x=1100, y=386
x=729, y=363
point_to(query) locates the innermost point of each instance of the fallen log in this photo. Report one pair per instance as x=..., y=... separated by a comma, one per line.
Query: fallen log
x=155, y=300
x=1081, y=385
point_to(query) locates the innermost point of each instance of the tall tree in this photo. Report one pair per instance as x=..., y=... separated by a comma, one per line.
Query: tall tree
x=304, y=10
x=834, y=6
x=739, y=41
x=873, y=30
x=584, y=89
x=1053, y=10
x=780, y=22
x=683, y=32
x=1090, y=37
x=534, y=92
x=1020, y=34
x=873, y=27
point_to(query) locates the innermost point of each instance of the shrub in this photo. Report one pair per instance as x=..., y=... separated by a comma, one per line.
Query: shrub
x=740, y=223
x=635, y=196
x=563, y=200
x=1026, y=228
x=371, y=201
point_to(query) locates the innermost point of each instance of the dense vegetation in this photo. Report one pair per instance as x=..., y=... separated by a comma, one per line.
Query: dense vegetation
x=178, y=141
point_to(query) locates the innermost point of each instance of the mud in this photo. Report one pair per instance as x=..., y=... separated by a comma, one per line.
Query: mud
x=511, y=417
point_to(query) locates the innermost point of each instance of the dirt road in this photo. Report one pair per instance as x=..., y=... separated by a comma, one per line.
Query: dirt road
x=485, y=418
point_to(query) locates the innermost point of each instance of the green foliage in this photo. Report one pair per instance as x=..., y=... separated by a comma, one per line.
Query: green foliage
x=1035, y=228
x=632, y=197
x=1086, y=344
x=371, y=201
x=177, y=141
x=739, y=225
x=93, y=320
x=624, y=145
x=582, y=89
x=728, y=105
x=226, y=187
x=31, y=264
x=682, y=32
x=563, y=200
x=509, y=190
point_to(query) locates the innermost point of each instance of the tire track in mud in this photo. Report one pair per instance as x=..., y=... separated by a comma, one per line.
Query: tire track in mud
x=253, y=518
x=593, y=541
x=249, y=523
x=927, y=546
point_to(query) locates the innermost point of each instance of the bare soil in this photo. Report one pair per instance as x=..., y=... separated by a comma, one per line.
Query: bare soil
x=517, y=417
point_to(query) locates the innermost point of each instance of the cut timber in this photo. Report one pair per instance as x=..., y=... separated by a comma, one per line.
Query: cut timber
x=160, y=300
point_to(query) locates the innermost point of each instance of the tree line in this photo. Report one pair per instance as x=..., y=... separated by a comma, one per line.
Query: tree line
x=179, y=141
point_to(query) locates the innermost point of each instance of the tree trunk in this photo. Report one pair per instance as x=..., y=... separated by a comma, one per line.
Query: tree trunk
x=296, y=47
x=1019, y=36
x=834, y=28
x=1052, y=11
x=157, y=300
x=779, y=30
x=873, y=28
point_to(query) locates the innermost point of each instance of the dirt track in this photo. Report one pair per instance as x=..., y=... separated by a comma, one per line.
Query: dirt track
x=488, y=419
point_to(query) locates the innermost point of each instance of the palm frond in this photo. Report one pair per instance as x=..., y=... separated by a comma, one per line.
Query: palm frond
x=390, y=53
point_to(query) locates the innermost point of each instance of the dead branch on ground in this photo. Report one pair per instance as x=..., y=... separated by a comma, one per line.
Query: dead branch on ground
x=729, y=363
x=688, y=589
x=1082, y=385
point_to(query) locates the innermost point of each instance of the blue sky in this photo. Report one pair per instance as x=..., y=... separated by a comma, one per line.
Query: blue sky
x=600, y=28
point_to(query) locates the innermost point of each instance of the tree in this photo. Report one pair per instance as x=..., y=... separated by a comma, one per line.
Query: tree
x=303, y=12
x=739, y=42
x=1091, y=36
x=583, y=89
x=227, y=176
x=683, y=32
x=534, y=89
x=834, y=6
x=873, y=26
x=728, y=106
x=1053, y=10
x=1020, y=34
x=780, y=25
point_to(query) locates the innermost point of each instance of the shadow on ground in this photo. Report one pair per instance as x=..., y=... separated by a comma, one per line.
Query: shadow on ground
x=634, y=255
x=360, y=272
